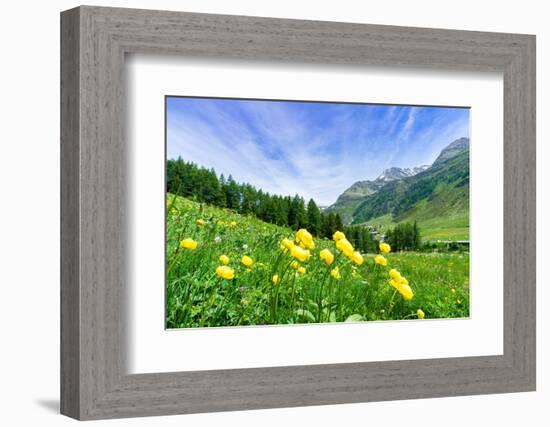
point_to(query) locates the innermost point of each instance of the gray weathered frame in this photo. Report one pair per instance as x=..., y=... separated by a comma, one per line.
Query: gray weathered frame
x=94, y=41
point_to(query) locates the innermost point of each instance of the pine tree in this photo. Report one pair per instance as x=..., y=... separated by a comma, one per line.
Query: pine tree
x=232, y=194
x=338, y=223
x=313, y=218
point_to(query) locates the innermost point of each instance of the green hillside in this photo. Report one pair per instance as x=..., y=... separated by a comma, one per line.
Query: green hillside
x=453, y=224
x=345, y=209
x=261, y=282
x=438, y=199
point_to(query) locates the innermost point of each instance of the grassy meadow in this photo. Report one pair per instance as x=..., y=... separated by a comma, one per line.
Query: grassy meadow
x=227, y=269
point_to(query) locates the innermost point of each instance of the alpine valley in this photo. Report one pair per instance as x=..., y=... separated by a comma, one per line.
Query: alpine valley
x=436, y=196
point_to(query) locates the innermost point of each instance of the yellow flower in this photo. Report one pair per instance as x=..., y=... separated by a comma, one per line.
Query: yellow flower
x=201, y=222
x=394, y=274
x=303, y=236
x=225, y=272
x=174, y=211
x=300, y=254
x=301, y=270
x=406, y=292
x=380, y=260
x=286, y=244
x=326, y=256
x=295, y=265
x=246, y=260
x=357, y=258
x=338, y=236
x=189, y=244
x=453, y=290
x=344, y=246
x=335, y=272
x=233, y=223
x=224, y=259
x=384, y=248
x=420, y=314
x=403, y=288
x=275, y=279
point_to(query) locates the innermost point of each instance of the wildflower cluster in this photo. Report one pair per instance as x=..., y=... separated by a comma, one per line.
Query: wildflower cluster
x=259, y=275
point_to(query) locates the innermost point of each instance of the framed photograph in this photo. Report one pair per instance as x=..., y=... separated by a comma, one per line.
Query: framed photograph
x=262, y=213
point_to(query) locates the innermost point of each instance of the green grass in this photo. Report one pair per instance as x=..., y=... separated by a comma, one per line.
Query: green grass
x=453, y=227
x=197, y=297
x=445, y=217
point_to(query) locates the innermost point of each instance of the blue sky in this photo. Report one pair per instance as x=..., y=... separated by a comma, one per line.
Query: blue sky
x=314, y=149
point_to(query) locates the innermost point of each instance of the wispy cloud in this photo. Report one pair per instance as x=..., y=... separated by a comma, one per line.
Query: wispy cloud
x=314, y=149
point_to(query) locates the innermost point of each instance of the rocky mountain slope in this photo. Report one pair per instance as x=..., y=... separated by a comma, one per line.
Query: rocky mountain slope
x=426, y=193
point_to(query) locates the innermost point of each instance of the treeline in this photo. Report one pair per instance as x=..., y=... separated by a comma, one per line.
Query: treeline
x=404, y=237
x=361, y=238
x=203, y=185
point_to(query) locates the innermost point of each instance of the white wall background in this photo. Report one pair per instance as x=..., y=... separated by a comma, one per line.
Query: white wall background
x=29, y=224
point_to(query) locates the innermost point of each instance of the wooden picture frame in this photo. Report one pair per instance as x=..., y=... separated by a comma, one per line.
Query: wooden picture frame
x=94, y=382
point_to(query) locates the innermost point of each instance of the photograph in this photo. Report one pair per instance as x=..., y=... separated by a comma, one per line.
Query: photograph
x=292, y=212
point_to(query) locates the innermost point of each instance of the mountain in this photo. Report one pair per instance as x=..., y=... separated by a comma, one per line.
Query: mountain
x=454, y=148
x=435, y=196
x=354, y=195
x=393, y=174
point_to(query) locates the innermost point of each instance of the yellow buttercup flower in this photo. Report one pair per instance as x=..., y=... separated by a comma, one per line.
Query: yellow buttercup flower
x=406, y=292
x=295, y=265
x=188, y=244
x=335, y=272
x=394, y=283
x=403, y=281
x=233, y=223
x=453, y=290
x=224, y=259
x=394, y=274
x=420, y=314
x=301, y=270
x=338, y=236
x=357, y=258
x=326, y=256
x=201, y=222
x=380, y=260
x=275, y=279
x=302, y=245
x=225, y=272
x=344, y=246
x=397, y=279
x=300, y=254
x=247, y=261
x=304, y=237
x=286, y=244
x=384, y=248
x=403, y=288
